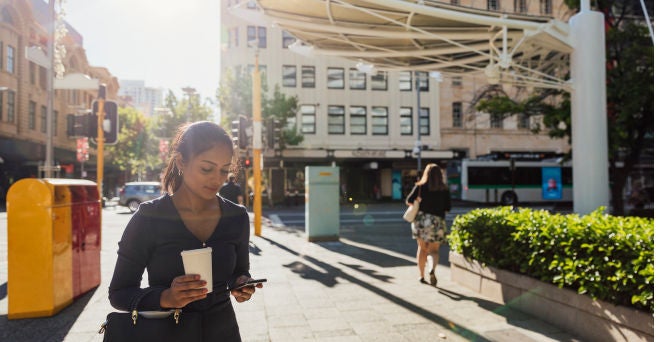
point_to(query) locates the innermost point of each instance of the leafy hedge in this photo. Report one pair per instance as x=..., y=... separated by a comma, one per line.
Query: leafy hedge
x=607, y=257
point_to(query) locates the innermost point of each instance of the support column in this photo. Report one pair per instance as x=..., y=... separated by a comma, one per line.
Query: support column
x=589, y=119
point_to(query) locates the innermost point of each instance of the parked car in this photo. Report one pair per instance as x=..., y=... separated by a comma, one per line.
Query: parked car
x=133, y=193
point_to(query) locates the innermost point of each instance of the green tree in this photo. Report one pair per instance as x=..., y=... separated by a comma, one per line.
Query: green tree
x=134, y=152
x=179, y=112
x=282, y=107
x=630, y=95
x=235, y=96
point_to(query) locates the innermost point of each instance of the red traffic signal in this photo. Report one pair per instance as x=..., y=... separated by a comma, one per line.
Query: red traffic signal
x=247, y=162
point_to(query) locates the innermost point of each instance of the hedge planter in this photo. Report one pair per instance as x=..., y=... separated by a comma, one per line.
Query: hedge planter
x=592, y=320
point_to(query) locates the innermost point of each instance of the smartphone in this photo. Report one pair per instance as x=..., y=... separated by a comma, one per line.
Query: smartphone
x=248, y=283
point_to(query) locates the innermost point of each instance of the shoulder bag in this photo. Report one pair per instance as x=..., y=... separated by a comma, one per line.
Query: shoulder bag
x=145, y=326
x=413, y=209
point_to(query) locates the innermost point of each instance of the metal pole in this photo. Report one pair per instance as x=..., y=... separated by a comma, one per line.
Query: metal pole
x=48, y=167
x=101, y=139
x=418, y=143
x=257, y=146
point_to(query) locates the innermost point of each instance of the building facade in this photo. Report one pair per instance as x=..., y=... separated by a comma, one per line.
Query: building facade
x=137, y=95
x=24, y=95
x=366, y=123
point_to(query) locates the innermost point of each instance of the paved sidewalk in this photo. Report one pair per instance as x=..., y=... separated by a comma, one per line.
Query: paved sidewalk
x=361, y=288
x=365, y=288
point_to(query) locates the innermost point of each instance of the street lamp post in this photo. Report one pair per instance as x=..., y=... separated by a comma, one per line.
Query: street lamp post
x=257, y=148
x=48, y=167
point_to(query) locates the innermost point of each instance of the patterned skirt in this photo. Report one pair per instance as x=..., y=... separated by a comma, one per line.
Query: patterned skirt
x=429, y=228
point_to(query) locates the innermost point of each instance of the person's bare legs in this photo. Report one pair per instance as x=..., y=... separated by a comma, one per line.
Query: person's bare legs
x=434, y=252
x=422, y=256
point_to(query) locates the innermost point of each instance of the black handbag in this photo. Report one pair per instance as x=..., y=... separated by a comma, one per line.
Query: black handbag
x=135, y=326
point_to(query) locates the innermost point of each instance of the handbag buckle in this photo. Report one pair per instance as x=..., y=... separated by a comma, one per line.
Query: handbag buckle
x=134, y=317
x=176, y=316
x=102, y=327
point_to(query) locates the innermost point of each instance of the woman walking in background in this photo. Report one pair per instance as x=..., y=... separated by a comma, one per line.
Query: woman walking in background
x=429, y=226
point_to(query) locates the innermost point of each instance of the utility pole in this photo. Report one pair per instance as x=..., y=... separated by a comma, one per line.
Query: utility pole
x=100, y=140
x=257, y=148
x=49, y=163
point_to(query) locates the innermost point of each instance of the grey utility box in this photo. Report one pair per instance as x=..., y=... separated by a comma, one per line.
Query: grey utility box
x=322, y=203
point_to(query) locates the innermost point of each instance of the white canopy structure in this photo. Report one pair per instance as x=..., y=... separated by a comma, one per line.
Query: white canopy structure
x=427, y=35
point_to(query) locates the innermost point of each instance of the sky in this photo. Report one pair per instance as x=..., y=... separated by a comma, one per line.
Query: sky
x=167, y=44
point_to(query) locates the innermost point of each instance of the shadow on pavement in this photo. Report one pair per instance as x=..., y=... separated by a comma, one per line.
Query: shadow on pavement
x=329, y=279
x=44, y=329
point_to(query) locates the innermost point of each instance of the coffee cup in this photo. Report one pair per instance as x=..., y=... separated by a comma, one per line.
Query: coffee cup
x=199, y=261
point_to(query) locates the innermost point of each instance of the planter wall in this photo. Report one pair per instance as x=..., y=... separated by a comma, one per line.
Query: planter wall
x=592, y=320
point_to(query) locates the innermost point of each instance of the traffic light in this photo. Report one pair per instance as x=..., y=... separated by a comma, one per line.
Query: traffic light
x=110, y=124
x=78, y=125
x=272, y=133
x=245, y=132
x=234, y=131
x=247, y=163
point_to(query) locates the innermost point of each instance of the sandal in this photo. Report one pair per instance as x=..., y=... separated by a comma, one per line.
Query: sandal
x=433, y=278
x=421, y=280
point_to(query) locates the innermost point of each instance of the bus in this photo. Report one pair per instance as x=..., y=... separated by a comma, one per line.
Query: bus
x=512, y=181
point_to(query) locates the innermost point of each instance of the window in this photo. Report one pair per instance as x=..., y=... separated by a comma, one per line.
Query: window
x=335, y=78
x=261, y=37
x=335, y=119
x=10, y=59
x=379, y=120
x=523, y=121
x=289, y=76
x=308, y=119
x=424, y=121
x=2, y=55
x=233, y=37
x=307, y=75
x=263, y=71
x=379, y=81
x=496, y=121
x=11, y=96
x=44, y=118
x=545, y=6
x=55, y=114
x=520, y=6
x=405, y=116
x=256, y=33
x=2, y=102
x=357, y=79
x=358, y=120
x=287, y=39
x=43, y=81
x=493, y=5
x=32, y=73
x=456, y=81
x=422, y=77
x=455, y=2
x=31, y=115
x=405, y=81
x=456, y=114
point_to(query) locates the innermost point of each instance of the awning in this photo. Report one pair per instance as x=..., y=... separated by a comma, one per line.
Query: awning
x=425, y=36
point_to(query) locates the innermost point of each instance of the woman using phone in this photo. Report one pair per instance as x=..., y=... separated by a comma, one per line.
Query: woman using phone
x=190, y=215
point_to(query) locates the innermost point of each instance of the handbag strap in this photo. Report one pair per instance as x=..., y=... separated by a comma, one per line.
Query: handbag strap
x=139, y=297
x=135, y=302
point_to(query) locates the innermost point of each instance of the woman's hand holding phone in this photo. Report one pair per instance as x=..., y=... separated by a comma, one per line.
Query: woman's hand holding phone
x=245, y=287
